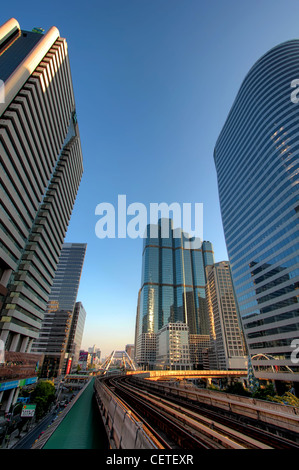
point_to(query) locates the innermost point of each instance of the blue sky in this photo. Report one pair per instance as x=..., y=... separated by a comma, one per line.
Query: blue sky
x=154, y=81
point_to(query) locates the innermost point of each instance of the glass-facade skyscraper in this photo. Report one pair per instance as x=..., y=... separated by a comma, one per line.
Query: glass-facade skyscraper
x=55, y=338
x=172, y=286
x=256, y=158
x=75, y=336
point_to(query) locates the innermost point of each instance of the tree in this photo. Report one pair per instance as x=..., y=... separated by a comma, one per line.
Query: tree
x=287, y=399
x=264, y=393
x=43, y=395
x=237, y=389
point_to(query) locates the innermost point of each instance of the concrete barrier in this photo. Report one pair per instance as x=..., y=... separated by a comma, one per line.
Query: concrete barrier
x=123, y=429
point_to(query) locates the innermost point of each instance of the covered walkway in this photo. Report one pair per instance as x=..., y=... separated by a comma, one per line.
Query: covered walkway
x=82, y=428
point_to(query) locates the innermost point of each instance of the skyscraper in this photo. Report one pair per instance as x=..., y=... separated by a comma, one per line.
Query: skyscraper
x=226, y=334
x=173, y=347
x=172, y=287
x=76, y=335
x=256, y=158
x=54, y=337
x=41, y=169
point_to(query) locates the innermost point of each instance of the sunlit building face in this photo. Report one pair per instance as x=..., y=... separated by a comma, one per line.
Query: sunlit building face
x=173, y=283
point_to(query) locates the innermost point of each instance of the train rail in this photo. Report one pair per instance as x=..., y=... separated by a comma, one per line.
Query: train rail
x=166, y=431
x=230, y=419
x=204, y=428
x=159, y=441
x=185, y=428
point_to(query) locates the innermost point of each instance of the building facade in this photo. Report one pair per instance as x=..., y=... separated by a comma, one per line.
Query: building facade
x=226, y=336
x=76, y=335
x=256, y=159
x=173, y=284
x=172, y=347
x=41, y=169
x=56, y=340
x=145, y=350
x=130, y=350
x=200, y=355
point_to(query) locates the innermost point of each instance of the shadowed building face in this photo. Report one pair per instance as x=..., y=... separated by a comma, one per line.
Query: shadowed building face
x=41, y=169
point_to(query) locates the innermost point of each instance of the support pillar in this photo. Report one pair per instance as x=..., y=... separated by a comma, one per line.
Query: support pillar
x=24, y=344
x=3, y=336
x=16, y=395
x=30, y=343
x=15, y=342
x=10, y=399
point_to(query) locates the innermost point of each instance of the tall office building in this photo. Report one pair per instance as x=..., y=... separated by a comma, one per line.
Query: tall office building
x=256, y=158
x=172, y=348
x=59, y=320
x=41, y=169
x=226, y=334
x=200, y=351
x=130, y=350
x=75, y=337
x=172, y=287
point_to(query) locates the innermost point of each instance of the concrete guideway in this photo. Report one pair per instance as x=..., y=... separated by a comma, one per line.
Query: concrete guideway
x=213, y=419
x=48, y=433
x=275, y=414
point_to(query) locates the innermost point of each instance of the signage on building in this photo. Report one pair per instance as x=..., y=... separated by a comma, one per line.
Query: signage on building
x=17, y=383
x=28, y=411
x=68, y=366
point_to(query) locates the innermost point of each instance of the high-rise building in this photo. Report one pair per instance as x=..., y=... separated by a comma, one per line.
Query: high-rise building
x=172, y=347
x=41, y=169
x=226, y=334
x=145, y=350
x=94, y=357
x=54, y=340
x=199, y=347
x=76, y=335
x=256, y=158
x=130, y=350
x=173, y=285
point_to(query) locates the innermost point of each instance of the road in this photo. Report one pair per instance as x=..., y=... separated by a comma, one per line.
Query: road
x=27, y=441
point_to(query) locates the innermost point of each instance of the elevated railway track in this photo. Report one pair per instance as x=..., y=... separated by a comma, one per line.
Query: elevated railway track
x=179, y=423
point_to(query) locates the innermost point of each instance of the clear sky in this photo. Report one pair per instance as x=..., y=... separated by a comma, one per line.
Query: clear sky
x=154, y=81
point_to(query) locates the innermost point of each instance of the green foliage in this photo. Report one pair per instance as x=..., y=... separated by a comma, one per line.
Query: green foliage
x=287, y=399
x=212, y=387
x=237, y=389
x=43, y=395
x=264, y=393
